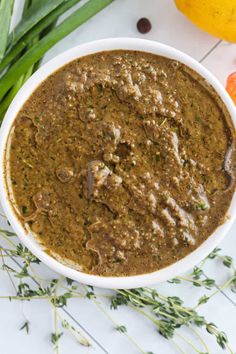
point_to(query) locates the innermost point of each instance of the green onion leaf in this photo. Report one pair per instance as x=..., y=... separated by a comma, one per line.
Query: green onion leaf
x=35, y=31
x=33, y=15
x=6, y=7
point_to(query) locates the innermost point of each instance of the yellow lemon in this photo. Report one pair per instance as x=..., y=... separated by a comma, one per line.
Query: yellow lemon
x=217, y=17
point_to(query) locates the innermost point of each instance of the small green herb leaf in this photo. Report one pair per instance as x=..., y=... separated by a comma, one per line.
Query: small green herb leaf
x=121, y=329
x=25, y=327
x=174, y=281
x=197, y=273
x=203, y=300
x=228, y=261
x=214, y=253
x=69, y=281
x=208, y=283
x=55, y=338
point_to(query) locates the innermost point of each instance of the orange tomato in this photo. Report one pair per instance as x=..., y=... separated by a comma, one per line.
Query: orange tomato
x=231, y=86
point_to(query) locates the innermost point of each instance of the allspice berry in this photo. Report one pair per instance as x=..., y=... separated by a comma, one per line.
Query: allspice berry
x=144, y=25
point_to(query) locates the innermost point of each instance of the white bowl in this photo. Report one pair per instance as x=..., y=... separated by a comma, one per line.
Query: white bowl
x=29, y=241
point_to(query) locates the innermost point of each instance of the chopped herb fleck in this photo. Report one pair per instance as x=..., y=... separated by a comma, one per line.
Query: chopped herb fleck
x=157, y=158
x=202, y=206
x=198, y=119
x=24, y=209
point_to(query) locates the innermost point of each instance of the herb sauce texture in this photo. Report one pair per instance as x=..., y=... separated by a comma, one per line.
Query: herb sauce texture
x=122, y=162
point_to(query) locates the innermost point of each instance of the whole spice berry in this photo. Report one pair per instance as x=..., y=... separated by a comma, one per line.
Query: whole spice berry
x=144, y=25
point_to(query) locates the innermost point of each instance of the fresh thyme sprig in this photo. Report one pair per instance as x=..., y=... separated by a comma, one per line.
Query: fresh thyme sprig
x=167, y=313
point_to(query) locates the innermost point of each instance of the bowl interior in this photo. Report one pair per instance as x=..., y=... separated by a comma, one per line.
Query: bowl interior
x=7, y=199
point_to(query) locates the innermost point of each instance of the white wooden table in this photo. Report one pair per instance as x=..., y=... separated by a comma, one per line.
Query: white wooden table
x=169, y=27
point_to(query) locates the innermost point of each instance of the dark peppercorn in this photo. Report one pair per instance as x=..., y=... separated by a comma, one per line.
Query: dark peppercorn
x=144, y=25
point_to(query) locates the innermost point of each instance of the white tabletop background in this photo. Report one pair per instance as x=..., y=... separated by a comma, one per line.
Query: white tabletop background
x=172, y=28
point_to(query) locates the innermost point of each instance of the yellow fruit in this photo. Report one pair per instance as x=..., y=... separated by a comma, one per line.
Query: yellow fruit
x=217, y=17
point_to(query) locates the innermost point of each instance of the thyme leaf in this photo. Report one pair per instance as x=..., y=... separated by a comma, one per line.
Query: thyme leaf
x=25, y=327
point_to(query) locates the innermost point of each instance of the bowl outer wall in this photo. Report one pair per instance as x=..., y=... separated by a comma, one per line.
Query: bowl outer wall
x=24, y=93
